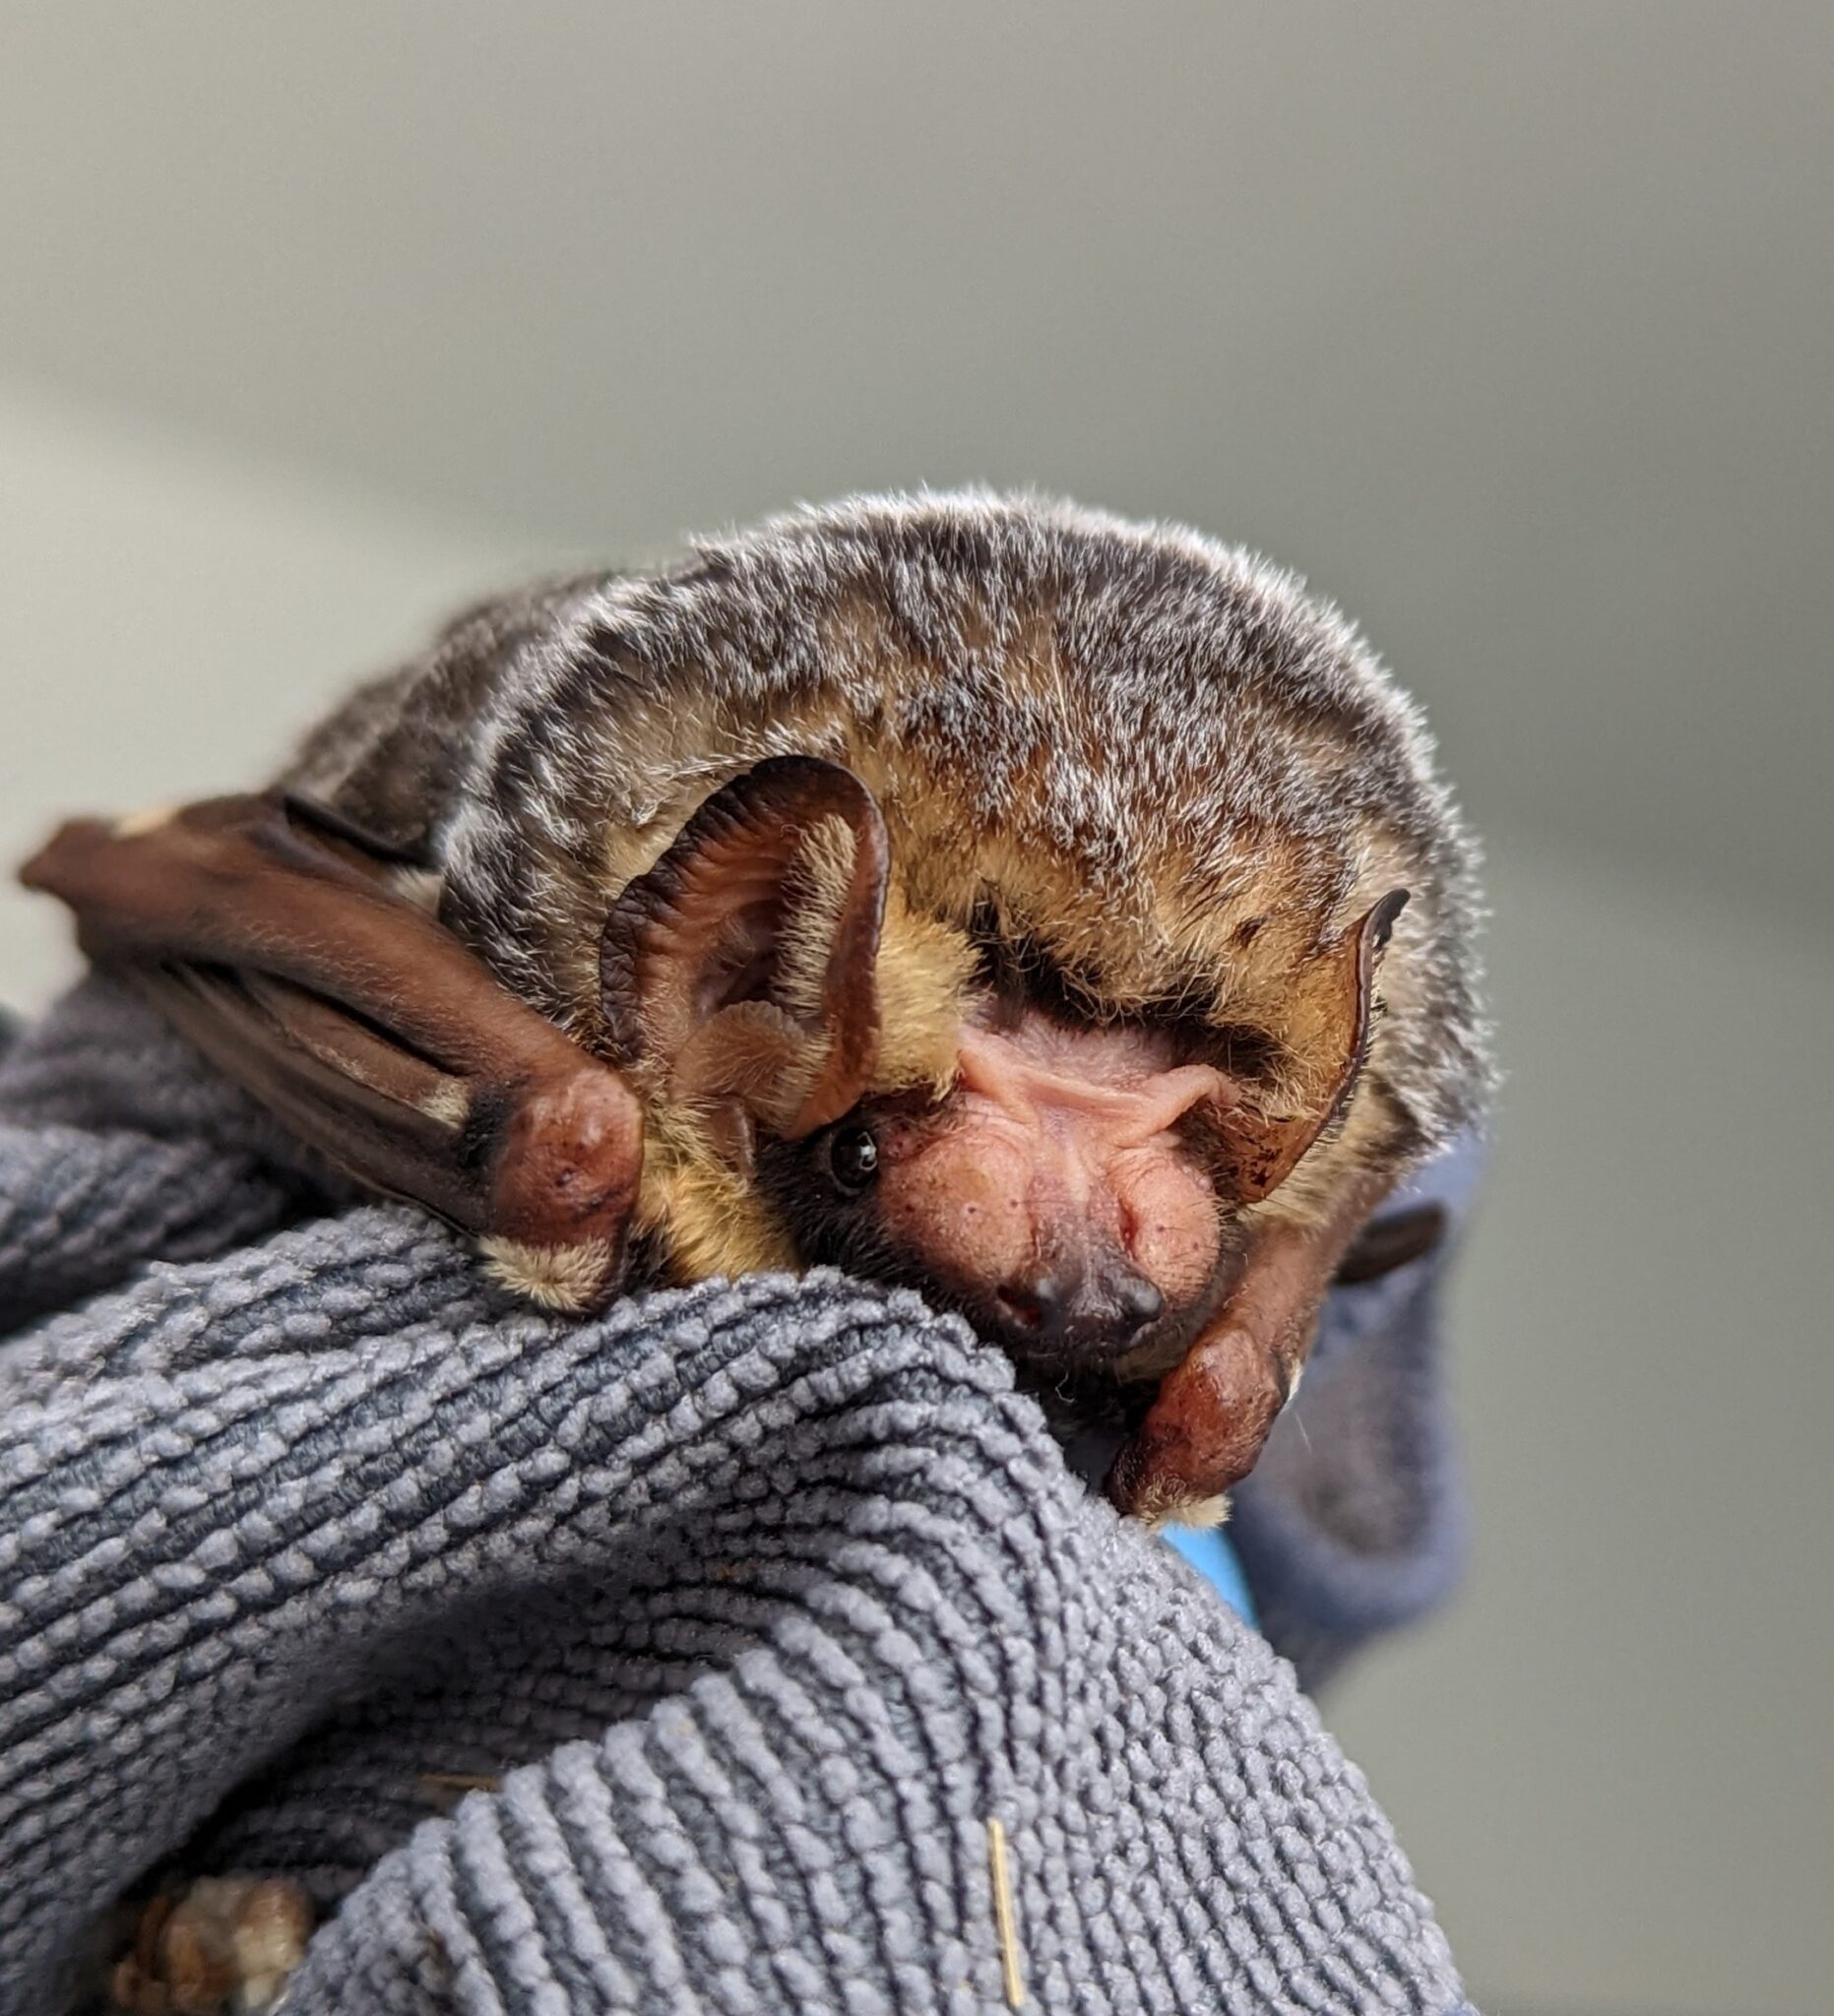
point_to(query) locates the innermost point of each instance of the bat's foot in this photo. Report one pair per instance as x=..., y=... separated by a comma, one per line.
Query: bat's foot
x=228, y=1944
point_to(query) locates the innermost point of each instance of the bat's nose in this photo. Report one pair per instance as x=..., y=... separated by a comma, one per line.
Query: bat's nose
x=1090, y=1312
x=1140, y=1303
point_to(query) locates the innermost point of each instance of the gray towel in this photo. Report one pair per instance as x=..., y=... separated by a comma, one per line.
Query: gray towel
x=756, y=1602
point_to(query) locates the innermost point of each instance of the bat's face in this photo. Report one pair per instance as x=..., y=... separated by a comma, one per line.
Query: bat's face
x=1061, y=1194
x=1074, y=1183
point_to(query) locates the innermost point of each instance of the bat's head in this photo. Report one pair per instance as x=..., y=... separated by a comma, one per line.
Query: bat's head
x=889, y=1096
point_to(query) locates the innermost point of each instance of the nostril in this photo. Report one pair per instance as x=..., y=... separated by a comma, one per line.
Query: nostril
x=1035, y=1307
x=1141, y=1303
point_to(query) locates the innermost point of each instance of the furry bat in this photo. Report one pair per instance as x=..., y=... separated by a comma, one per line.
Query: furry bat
x=1057, y=914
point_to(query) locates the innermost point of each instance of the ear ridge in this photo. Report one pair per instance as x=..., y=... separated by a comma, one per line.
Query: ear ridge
x=770, y=902
x=815, y=892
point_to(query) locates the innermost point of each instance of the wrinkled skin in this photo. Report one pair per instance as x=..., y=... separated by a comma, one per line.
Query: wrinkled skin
x=1058, y=1194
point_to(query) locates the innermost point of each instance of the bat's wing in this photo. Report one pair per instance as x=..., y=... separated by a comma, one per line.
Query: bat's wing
x=270, y=931
x=1215, y=1410
x=1204, y=1431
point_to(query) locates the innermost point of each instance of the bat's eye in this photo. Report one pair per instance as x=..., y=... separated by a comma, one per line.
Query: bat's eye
x=853, y=1158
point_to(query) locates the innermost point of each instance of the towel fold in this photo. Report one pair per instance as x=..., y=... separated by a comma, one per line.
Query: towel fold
x=744, y=1608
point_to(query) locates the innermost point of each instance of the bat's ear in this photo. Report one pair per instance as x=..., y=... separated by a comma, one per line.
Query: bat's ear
x=745, y=964
x=1329, y=1032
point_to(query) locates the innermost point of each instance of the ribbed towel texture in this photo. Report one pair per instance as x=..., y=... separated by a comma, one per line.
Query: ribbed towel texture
x=756, y=1602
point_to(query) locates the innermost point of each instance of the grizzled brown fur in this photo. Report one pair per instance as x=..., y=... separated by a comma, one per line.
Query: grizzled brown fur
x=1145, y=758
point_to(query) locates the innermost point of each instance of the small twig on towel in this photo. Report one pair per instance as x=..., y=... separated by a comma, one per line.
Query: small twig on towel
x=1004, y=1923
x=459, y=1781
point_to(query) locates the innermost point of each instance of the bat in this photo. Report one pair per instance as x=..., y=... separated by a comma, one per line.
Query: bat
x=1059, y=916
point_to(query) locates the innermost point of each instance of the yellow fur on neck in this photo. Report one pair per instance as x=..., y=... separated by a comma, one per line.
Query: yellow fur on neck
x=563, y=1278
x=924, y=969
x=708, y=1216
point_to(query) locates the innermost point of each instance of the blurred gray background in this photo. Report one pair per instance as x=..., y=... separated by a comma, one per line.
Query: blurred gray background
x=1510, y=327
